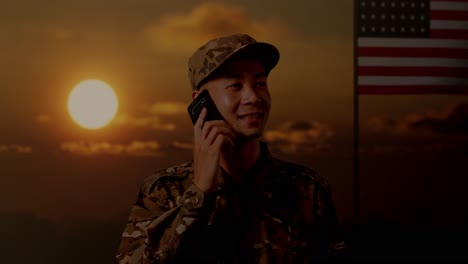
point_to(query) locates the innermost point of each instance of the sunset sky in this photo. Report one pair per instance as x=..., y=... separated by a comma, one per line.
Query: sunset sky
x=59, y=176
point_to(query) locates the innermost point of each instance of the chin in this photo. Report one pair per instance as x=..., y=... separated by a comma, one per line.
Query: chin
x=249, y=135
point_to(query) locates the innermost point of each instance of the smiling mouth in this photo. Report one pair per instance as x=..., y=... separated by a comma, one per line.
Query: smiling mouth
x=252, y=115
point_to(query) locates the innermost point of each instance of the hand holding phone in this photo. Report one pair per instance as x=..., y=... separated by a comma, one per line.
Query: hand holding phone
x=211, y=133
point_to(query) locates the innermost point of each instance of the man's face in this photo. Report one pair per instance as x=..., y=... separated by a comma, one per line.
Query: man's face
x=240, y=92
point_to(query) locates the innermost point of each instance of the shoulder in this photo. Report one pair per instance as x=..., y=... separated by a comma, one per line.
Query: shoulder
x=167, y=176
x=300, y=174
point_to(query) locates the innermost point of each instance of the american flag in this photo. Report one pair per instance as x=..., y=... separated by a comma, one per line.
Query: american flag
x=411, y=46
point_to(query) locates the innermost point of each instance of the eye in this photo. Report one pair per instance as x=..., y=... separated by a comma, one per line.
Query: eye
x=235, y=86
x=261, y=84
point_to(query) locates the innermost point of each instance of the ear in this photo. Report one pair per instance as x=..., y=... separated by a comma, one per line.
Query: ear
x=195, y=94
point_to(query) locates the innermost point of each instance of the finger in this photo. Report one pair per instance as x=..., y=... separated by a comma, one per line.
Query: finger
x=218, y=143
x=217, y=122
x=213, y=133
x=208, y=125
x=230, y=133
x=199, y=124
x=201, y=119
x=228, y=141
x=227, y=132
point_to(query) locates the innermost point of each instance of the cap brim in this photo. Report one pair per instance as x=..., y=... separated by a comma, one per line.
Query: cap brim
x=265, y=52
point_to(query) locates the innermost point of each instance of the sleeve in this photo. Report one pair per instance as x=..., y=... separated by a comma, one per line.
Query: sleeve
x=159, y=223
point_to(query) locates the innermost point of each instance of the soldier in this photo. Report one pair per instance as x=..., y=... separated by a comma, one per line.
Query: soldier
x=234, y=203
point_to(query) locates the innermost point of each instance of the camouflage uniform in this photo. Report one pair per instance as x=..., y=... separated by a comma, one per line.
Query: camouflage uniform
x=281, y=213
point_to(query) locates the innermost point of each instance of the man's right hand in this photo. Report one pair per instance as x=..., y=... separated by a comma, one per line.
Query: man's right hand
x=209, y=138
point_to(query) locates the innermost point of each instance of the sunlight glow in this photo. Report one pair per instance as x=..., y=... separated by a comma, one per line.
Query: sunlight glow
x=92, y=104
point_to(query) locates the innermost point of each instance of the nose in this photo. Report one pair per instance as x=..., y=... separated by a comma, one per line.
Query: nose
x=250, y=95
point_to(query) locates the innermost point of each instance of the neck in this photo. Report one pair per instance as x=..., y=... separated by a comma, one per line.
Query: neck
x=241, y=158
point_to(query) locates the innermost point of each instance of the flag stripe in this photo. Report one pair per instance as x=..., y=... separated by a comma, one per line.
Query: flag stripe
x=449, y=5
x=413, y=52
x=412, y=71
x=416, y=89
x=449, y=15
x=418, y=80
x=423, y=62
x=454, y=34
x=412, y=43
x=449, y=24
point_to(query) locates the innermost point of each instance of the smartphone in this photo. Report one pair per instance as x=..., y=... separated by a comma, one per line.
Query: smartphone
x=203, y=100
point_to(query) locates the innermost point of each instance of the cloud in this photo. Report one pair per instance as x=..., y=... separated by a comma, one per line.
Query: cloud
x=453, y=120
x=151, y=116
x=152, y=122
x=167, y=108
x=135, y=148
x=188, y=31
x=300, y=136
x=15, y=148
x=181, y=145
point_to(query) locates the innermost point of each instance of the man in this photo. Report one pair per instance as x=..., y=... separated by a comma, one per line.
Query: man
x=234, y=203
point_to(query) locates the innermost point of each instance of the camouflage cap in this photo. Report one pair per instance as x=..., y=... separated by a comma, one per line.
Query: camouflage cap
x=215, y=52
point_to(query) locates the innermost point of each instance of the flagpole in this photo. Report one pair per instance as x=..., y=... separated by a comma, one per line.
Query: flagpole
x=356, y=121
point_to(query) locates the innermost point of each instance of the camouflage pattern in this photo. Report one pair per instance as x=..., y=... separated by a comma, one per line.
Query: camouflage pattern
x=281, y=213
x=214, y=53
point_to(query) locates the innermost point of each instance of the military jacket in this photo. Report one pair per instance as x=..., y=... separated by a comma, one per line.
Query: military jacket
x=279, y=213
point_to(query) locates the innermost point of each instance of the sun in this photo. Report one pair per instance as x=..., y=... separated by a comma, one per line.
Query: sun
x=92, y=104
